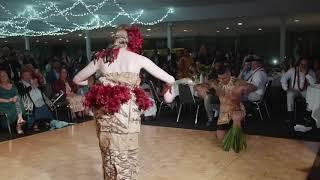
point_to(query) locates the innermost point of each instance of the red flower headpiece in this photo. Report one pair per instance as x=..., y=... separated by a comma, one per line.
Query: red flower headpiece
x=135, y=39
x=135, y=45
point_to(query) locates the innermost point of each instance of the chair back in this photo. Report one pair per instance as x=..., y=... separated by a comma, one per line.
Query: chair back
x=185, y=94
x=154, y=92
x=266, y=89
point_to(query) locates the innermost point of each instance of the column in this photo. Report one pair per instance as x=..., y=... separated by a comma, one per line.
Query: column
x=27, y=43
x=169, y=35
x=283, y=30
x=88, y=45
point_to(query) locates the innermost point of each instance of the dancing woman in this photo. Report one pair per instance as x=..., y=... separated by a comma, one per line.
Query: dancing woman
x=118, y=101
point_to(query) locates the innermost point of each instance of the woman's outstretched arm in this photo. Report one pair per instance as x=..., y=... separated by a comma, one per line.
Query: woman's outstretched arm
x=157, y=72
x=82, y=77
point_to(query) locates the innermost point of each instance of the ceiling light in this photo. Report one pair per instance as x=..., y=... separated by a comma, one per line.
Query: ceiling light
x=259, y=29
x=80, y=35
x=147, y=35
x=148, y=29
x=185, y=30
x=67, y=41
x=218, y=31
x=240, y=23
x=60, y=39
x=111, y=32
x=5, y=41
x=296, y=20
x=227, y=28
x=37, y=40
x=85, y=37
x=46, y=42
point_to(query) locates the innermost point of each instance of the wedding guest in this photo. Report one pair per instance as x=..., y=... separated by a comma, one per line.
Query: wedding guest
x=184, y=65
x=65, y=84
x=35, y=103
x=300, y=78
x=9, y=103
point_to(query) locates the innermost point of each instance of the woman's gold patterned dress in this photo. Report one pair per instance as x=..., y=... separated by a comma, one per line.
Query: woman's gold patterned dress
x=118, y=133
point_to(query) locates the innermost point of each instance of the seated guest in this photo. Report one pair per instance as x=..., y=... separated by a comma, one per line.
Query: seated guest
x=300, y=78
x=65, y=84
x=258, y=77
x=246, y=70
x=184, y=65
x=53, y=74
x=34, y=101
x=211, y=103
x=9, y=103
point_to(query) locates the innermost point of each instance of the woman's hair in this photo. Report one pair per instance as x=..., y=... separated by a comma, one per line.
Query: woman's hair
x=129, y=37
x=4, y=71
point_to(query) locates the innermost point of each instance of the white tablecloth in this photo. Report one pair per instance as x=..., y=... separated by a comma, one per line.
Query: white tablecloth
x=313, y=100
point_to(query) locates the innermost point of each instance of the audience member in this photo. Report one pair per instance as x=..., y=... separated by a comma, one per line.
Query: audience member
x=9, y=103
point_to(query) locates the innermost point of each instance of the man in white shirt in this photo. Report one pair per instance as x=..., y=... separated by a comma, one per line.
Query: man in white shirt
x=300, y=78
x=38, y=109
x=258, y=77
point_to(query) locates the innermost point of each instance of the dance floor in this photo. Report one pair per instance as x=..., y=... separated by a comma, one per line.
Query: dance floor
x=165, y=154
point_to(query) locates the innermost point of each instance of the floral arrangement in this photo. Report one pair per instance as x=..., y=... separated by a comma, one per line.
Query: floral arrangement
x=112, y=97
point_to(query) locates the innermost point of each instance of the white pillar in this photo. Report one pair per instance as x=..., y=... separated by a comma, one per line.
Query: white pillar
x=283, y=30
x=27, y=43
x=88, y=45
x=169, y=35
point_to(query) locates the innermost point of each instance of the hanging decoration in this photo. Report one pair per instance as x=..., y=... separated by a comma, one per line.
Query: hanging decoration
x=50, y=18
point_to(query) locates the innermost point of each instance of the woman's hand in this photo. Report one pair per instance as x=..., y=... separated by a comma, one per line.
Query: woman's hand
x=166, y=88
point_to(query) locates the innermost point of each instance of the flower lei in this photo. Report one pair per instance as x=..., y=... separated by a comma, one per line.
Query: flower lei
x=110, y=98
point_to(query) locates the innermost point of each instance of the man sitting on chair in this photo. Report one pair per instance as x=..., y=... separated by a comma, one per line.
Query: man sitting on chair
x=300, y=78
x=258, y=77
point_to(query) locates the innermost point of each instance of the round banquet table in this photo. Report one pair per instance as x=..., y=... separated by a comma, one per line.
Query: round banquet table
x=313, y=101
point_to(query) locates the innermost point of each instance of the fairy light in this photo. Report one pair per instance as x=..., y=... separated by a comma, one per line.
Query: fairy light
x=44, y=13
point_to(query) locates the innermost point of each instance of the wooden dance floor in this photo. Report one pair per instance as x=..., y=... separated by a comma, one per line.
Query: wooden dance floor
x=166, y=154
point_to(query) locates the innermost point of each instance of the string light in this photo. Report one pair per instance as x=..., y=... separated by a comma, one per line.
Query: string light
x=47, y=17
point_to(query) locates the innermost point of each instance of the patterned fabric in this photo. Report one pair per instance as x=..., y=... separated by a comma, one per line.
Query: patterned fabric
x=76, y=102
x=118, y=133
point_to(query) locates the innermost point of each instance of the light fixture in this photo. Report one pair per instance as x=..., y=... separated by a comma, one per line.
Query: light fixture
x=185, y=30
x=17, y=23
x=46, y=42
x=148, y=35
x=260, y=29
x=148, y=29
x=5, y=41
x=37, y=40
x=274, y=61
x=60, y=39
x=112, y=32
x=218, y=31
x=240, y=23
x=67, y=41
x=85, y=37
x=296, y=20
x=227, y=28
x=80, y=35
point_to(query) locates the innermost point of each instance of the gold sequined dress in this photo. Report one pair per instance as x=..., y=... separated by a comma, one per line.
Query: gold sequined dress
x=118, y=133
